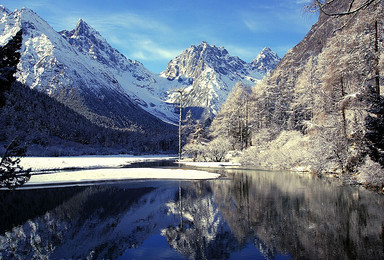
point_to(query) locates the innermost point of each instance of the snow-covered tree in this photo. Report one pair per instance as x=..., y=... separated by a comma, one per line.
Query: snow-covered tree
x=199, y=134
x=233, y=120
x=217, y=149
x=328, y=87
x=187, y=128
x=12, y=175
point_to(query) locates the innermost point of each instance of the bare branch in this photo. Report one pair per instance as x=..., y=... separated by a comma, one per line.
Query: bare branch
x=322, y=6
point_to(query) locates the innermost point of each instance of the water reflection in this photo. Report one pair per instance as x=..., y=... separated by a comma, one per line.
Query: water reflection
x=250, y=214
x=305, y=217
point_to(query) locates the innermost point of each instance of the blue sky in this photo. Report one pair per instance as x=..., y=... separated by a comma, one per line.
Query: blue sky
x=156, y=31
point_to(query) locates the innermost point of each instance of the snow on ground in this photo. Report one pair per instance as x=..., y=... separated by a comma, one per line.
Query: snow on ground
x=103, y=168
x=87, y=162
x=119, y=174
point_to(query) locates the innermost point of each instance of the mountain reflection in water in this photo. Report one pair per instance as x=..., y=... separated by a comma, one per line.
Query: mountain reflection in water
x=250, y=214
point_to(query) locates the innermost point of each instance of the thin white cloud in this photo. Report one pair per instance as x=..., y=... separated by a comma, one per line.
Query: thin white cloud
x=256, y=25
x=149, y=50
x=113, y=21
x=130, y=33
x=128, y=21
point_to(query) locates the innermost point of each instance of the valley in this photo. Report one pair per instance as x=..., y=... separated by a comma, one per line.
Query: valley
x=320, y=98
x=212, y=156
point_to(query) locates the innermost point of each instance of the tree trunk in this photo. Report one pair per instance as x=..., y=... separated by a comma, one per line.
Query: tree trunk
x=246, y=124
x=344, y=131
x=377, y=73
x=180, y=129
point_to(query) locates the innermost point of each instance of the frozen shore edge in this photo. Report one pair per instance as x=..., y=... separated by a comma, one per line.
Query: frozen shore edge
x=51, y=171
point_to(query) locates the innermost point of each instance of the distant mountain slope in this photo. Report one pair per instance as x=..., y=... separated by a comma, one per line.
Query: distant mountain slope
x=87, y=84
x=141, y=85
x=50, y=128
x=80, y=69
x=209, y=73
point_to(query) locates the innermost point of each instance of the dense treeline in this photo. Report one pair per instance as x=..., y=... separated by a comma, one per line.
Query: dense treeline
x=321, y=110
x=9, y=57
x=42, y=122
x=50, y=127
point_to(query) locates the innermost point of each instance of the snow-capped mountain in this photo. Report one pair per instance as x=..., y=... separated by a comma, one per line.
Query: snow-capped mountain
x=82, y=71
x=139, y=83
x=208, y=73
x=88, y=41
x=266, y=61
x=3, y=11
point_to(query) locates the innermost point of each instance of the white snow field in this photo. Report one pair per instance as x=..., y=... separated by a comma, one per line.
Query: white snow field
x=103, y=168
x=119, y=174
x=86, y=162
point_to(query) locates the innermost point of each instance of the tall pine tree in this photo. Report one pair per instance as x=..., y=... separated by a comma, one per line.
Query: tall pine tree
x=9, y=58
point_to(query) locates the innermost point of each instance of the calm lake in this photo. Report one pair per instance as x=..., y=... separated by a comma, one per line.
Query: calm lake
x=248, y=214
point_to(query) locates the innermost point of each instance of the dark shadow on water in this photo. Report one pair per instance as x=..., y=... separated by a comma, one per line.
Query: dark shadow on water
x=152, y=164
x=16, y=207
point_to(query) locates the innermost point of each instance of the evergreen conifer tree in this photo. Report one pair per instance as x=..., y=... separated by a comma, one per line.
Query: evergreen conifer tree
x=9, y=58
x=12, y=175
x=188, y=127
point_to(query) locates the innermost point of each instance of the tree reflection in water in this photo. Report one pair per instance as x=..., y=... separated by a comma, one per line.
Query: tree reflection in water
x=251, y=213
x=303, y=216
x=279, y=213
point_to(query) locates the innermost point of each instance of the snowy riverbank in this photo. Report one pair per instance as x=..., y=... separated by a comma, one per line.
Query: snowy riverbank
x=57, y=170
x=86, y=162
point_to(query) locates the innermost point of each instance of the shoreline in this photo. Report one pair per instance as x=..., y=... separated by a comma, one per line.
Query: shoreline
x=86, y=170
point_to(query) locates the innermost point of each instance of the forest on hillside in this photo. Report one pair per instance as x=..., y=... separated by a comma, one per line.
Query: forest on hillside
x=321, y=110
x=48, y=127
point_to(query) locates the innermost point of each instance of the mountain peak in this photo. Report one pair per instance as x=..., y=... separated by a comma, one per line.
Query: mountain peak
x=208, y=52
x=266, y=50
x=209, y=72
x=82, y=28
x=90, y=42
x=266, y=60
x=29, y=13
x=3, y=9
x=205, y=45
x=81, y=23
